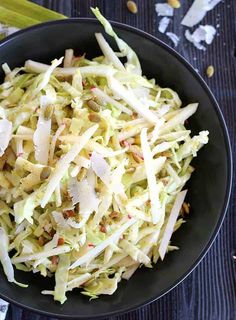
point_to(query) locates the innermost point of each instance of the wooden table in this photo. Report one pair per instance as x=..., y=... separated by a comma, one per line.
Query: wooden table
x=209, y=292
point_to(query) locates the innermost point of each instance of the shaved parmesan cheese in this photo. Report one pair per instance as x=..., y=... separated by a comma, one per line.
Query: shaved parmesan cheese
x=64, y=163
x=73, y=191
x=202, y=33
x=87, y=198
x=151, y=178
x=5, y=135
x=198, y=11
x=59, y=219
x=91, y=178
x=84, y=194
x=163, y=9
x=163, y=24
x=42, y=133
x=171, y=223
x=173, y=37
x=100, y=167
x=103, y=245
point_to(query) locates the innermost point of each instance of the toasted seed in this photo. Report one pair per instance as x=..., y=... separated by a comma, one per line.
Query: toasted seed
x=48, y=111
x=52, y=232
x=132, y=7
x=45, y=173
x=210, y=71
x=174, y=3
x=69, y=213
x=130, y=140
x=99, y=101
x=137, y=140
x=114, y=215
x=81, y=175
x=93, y=117
x=61, y=241
x=3, y=160
x=103, y=228
x=55, y=260
x=185, y=207
x=134, y=115
x=137, y=158
x=41, y=241
x=130, y=170
x=97, y=189
x=93, y=106
x=167, y=154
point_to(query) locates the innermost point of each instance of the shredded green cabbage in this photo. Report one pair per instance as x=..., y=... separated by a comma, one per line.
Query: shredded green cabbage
x=93, y=158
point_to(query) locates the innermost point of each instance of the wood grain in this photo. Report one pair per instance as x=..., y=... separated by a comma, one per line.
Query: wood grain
x=209, y=292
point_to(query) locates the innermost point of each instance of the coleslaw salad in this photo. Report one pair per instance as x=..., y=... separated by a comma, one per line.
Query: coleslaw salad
x=94, y=157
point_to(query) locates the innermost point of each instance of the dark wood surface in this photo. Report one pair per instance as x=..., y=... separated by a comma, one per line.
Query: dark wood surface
x=209, y=293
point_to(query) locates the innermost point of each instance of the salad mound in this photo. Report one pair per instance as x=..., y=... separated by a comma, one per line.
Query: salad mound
x=93, y=160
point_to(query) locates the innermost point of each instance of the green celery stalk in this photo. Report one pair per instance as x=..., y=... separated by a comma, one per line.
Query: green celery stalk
x=31, y=10
x=15, y=19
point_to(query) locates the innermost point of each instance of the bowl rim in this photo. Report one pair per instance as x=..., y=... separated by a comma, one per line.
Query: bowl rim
x=226, y=136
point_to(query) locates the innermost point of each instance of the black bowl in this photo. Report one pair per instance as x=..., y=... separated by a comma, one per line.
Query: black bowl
x=209, y=189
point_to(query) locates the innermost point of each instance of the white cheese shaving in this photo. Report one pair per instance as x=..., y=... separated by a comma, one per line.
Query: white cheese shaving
x=5, y=135
x=173, y=37
x=73, y=190
x=163, y=9
x=86, y=196
x=163, y=24
x=198, y=11
x=100, y=167
x=202, y=33
x=42, y=133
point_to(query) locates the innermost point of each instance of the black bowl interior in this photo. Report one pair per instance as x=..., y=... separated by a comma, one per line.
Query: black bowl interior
x=208, y=190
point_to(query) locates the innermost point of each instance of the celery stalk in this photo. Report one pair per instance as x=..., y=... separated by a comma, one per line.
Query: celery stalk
x=31, y=10
x=15, y=19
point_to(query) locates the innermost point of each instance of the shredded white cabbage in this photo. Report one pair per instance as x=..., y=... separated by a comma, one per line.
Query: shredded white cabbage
x=93, y=158
x=153, y=186
x=5, y=134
